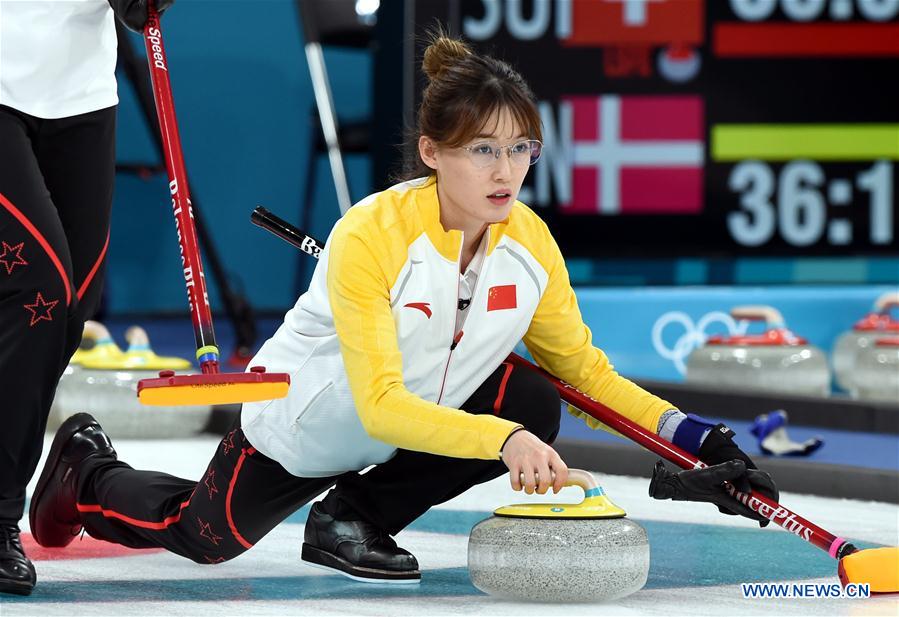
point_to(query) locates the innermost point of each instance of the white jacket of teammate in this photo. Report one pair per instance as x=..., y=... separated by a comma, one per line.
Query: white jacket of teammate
x=57, y=57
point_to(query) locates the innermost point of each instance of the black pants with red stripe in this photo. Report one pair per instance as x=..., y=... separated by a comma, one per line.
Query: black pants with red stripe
x=56, y=179
x=243, y=494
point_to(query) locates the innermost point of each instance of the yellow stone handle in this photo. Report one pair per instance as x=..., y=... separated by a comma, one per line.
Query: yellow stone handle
x=95, y=331
x=592, y=490
x=581, y=478
x=137, y=338
x=594, y=505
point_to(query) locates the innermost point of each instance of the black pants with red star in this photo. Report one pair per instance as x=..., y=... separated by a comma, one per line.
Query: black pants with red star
x=56, y=179
x=243, y=494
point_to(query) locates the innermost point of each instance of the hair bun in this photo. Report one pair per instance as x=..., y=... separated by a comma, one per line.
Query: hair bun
x=441, y=54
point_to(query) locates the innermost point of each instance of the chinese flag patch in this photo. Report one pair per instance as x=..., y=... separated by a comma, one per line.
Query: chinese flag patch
x=501, y=297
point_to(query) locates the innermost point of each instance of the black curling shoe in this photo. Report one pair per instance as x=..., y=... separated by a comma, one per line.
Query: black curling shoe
x=356, y=549
x=54, y=517
x=16, y=570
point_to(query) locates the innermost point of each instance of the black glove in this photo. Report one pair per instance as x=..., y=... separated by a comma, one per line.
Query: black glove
x=707, y=485
x=133, y=13
x=719, y=447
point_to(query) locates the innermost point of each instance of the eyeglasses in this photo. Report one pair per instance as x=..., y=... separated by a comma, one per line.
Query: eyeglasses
x=486, y=153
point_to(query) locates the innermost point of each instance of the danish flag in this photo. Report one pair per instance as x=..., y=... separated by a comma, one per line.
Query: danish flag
x=636, y=155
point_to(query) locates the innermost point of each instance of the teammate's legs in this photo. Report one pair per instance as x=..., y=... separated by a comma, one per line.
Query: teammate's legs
x=37, y=300
x=241, y=497
x=77, y=160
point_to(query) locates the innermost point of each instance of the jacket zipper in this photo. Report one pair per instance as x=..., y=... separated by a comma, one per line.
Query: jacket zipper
x=455, y=342
x=296, y=422
x=458, y=337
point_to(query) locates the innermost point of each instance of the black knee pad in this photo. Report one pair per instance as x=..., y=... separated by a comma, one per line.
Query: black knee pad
x=531, y=400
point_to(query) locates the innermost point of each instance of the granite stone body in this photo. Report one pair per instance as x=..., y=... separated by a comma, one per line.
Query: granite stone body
x=101, y=380
x=800, y=369
x=879, y=324
x=111, y=397
x=774, y=361
x=558, y=560
x=847, y=352
x=876, y=376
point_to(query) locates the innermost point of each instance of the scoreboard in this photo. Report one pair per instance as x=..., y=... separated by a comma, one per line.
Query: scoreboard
x=702, y=127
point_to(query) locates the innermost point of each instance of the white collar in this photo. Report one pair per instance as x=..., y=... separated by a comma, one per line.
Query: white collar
x=474, y=266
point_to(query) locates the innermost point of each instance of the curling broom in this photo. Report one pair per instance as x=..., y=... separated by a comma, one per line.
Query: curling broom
x=211, y=387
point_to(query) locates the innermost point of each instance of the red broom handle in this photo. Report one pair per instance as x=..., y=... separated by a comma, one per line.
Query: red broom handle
x=192, y=266
x=754, y=500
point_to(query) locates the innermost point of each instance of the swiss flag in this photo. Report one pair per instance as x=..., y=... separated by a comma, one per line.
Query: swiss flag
x=636, y=155
x=600, y=23
x=502, y=297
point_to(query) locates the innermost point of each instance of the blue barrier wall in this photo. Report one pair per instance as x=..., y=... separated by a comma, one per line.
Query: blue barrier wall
x=648, y=332
x=243, y=98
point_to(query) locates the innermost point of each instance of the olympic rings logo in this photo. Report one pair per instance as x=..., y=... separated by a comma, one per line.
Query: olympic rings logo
x=692, y=335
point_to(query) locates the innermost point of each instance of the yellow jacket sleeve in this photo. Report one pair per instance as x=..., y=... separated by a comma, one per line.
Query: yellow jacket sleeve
x=562, y=344
x=358, y=290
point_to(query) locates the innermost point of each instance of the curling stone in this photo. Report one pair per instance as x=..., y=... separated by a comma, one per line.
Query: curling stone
x=105, y=385
x=876, y=375
x=876, y=325
x=584, y=552
x=774, y=361
x=96, y=344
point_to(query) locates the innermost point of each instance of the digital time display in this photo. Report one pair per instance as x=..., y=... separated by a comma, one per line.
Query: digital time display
x=704, y=127
x=804, y=207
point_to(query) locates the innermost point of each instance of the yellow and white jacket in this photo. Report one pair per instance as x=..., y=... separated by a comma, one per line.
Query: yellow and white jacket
x=370, y=346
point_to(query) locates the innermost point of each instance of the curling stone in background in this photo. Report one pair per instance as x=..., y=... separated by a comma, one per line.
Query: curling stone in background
x=96, y=344
x=585, y=552
x=106, y=387
x=876, y=325
x=876, y=374
x=774, y=361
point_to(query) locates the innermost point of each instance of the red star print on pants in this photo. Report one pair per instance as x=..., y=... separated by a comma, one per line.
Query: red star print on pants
x=12, y=256
x=210, y=483
x=216, y=560
x=40, y=310
x=228, y=442
x=206, y=532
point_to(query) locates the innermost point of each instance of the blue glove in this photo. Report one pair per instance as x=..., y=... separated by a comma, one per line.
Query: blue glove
x=771, y=431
